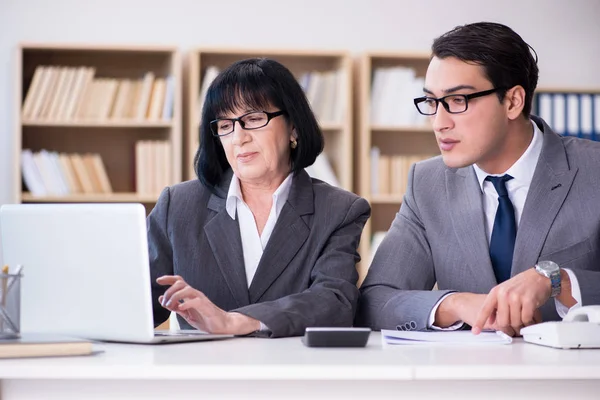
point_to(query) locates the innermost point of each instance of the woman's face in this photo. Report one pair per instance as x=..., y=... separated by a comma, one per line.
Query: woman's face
x=259, y=155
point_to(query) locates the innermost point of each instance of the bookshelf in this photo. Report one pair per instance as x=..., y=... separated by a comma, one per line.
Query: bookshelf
x=389, y=122
x=121, y=104
x=569, y=111
x=334, y=68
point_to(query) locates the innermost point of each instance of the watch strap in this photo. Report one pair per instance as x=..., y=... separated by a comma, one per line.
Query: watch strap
x=555, y=282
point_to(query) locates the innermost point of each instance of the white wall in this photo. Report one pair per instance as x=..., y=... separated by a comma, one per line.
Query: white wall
x=564, y=33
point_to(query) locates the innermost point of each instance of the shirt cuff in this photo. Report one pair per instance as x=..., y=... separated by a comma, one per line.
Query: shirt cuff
x=561, y=309
x=263, y=328
x=430, y=325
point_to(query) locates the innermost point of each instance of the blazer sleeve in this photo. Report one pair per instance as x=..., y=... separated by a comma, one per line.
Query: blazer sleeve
x=397, y=289
x=589, y=284
x=160, y=252
x=332, y=297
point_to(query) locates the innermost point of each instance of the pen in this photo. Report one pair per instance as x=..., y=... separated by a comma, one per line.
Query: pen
x=4, y=287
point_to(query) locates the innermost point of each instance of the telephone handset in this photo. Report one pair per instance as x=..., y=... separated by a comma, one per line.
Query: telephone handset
x=584, y=314
x=580, y=328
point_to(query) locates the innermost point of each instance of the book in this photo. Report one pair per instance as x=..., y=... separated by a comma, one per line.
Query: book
x=40, y=345
x=321, y=169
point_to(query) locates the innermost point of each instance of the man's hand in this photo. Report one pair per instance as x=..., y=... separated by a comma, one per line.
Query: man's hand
x=514, y=303
x=200, y=312
x=463, y=307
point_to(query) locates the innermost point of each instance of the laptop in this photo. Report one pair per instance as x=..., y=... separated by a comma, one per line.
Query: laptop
x=85, y=271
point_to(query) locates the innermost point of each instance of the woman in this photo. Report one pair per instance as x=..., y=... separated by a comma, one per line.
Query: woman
x=255, y=246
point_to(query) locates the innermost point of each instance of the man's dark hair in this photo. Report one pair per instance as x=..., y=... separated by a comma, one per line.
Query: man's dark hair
x=255, y=84
x=505, y=57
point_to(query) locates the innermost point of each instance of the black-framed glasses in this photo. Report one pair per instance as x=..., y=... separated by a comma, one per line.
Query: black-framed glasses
x=453, y=103
x=248, y=121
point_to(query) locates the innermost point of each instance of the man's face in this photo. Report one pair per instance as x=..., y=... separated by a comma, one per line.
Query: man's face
x=476, y=136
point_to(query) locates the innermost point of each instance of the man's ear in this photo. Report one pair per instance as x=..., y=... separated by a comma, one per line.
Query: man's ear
x=515, y=101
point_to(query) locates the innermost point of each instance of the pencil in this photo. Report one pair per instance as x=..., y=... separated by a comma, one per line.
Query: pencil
x=4, y=283
x=4, y=287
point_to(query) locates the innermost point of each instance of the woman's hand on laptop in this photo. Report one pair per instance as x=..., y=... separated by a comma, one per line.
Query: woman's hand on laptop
x=200, y=312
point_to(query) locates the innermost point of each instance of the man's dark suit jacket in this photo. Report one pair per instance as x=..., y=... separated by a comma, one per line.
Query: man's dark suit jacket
x=307, y=274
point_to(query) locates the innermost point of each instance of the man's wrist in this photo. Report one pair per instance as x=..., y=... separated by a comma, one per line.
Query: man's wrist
x=565, y=297
x=446, y=314
x=551, y=274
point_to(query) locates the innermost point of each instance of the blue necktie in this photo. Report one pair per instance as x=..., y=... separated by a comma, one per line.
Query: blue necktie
x=504, y=233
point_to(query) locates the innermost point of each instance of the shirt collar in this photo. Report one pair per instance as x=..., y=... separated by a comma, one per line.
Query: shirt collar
x=522, y=170
x=234, y=195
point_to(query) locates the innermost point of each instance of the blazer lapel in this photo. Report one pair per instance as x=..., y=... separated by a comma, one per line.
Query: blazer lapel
x=550, y=185
x=288, y=236
x=223, y=234
x=466, y=211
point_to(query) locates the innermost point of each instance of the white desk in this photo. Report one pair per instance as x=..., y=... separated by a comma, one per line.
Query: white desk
x=283, y=368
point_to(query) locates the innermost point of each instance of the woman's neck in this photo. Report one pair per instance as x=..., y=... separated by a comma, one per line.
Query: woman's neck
x=260, y=192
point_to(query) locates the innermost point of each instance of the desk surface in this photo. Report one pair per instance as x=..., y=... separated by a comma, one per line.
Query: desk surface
x=289, y=359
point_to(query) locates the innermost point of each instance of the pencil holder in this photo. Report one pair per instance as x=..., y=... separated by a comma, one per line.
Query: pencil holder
x=10, y=305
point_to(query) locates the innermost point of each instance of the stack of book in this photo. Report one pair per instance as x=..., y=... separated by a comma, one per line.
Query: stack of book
x=49, y=173
x=66, y=94
x=153, y=166
x=570, y=114
x=389, y=173
x=325, y=92
x=393, y=90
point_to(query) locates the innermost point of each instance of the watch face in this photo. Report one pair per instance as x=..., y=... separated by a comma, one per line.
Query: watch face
x=548, y=266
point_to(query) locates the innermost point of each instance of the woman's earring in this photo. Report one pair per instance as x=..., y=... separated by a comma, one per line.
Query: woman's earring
x=293, y=143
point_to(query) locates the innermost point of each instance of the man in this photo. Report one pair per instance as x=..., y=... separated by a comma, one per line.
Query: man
x=507, y=220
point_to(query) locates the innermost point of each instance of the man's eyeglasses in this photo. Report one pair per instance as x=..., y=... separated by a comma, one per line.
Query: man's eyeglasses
x=453, y=103
x=249, y=121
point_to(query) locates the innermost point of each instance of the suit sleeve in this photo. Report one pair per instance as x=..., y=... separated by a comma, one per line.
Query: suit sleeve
x=589, y=284
x=160, y=252
x=332, y=297
x=397, y=289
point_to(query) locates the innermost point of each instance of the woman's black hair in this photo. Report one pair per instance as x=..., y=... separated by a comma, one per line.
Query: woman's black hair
x=255, y=84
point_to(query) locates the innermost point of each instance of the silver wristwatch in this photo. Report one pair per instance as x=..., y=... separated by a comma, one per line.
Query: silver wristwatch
x=550, y=270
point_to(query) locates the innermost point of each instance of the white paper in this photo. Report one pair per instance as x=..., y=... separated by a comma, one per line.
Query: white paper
x=443, y=337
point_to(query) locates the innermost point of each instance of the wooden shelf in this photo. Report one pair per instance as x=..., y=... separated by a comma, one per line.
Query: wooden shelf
x=100, y=47
x=339, y=140
x=397, y=58
x=567, y=90
x=386, y=199
x=324, y=127
x=392, y=140
x=98, y=124
x=118, y=104
x=331, y=127
x=271, y=52
x=400, y=129
x=92, y=198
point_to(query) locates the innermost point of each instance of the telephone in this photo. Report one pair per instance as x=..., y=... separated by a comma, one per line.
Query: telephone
x=579, y=329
